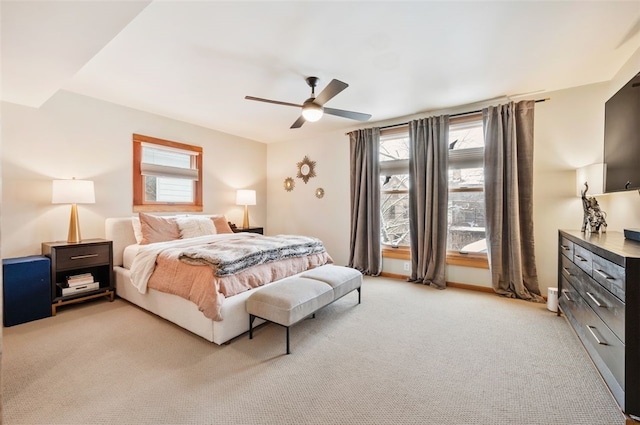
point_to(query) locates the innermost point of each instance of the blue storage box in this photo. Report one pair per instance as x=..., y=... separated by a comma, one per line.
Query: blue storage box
x=26, y=289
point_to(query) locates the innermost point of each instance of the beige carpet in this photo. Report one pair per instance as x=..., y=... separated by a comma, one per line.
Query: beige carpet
x=408, y=354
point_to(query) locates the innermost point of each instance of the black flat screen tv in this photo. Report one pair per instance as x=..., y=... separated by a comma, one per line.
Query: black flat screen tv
x=622, y=138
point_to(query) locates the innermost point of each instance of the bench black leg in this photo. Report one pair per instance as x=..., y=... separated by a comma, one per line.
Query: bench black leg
x=288, y=351
x=359, y=295
x=251, y=318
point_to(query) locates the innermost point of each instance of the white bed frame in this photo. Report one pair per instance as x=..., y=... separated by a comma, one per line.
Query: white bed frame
x=175, y=309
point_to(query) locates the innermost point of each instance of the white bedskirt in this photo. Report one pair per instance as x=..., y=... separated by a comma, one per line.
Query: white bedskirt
x=185, y=313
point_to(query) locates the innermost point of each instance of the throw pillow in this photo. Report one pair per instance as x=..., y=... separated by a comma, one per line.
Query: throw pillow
x=158, y=229
x=194, y=226
x=221, y=224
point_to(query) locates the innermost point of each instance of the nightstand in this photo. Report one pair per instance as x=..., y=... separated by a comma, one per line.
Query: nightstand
x=93, y=256
x=259, y=230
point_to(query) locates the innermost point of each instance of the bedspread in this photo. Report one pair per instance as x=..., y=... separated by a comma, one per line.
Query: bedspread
x=231, y=256
x=158, y=266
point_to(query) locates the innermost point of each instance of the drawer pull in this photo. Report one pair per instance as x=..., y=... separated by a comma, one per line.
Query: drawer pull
x=580, y=257
x=603, y=274
x=565, y=293
x=593, y=330
x=565, y=247
x=567, y=271
x=80, y=257
x=595, y=300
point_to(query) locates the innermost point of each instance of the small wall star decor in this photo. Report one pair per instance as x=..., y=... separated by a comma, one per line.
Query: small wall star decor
x=289, y=184
x=306, y=169
x=319, y=193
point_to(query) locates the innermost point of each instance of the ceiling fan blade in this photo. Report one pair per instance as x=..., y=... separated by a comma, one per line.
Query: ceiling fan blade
x=347, y=114
x=332, y=89
x=298, y=122
x=277, y=102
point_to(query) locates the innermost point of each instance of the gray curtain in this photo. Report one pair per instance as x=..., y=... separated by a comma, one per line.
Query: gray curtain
x=428, y=198
x=509, y=199
x=365, y=252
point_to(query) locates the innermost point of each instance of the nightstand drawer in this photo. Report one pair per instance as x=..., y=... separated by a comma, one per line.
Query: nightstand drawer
x=76, y=257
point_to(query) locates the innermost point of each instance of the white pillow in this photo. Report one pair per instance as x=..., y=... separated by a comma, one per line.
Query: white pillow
x=194, y=226
x=137, y=228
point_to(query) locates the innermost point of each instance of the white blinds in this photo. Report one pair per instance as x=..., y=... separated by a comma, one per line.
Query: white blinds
x=168, y=171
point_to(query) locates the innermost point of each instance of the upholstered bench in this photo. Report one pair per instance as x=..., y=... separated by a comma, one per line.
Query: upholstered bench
x=290, y=300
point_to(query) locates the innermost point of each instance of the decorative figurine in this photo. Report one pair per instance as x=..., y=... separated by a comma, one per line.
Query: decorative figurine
x=594, y=219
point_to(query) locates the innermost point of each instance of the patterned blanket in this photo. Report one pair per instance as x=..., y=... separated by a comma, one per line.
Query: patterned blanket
x=235, y=255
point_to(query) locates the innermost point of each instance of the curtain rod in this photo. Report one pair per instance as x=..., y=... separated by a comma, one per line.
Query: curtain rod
x=461, y=114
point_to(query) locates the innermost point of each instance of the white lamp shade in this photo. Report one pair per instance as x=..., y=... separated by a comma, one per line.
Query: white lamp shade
x=246, y=197
x=73, y=192
x=594, y=176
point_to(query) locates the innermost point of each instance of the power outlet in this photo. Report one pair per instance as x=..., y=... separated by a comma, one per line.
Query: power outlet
x=407, y=266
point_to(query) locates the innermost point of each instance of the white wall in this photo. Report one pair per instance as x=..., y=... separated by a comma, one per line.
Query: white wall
x=569, y=133
x=299, y=211
x=76, y=136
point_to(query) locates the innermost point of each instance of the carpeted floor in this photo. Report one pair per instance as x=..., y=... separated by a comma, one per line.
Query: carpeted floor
x=409, y=354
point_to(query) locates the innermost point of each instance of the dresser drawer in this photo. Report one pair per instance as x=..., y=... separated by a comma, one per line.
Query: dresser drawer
x=609, y=308
x=609, y=348
x=609, y=275
x=583, y=258
x=569, y=269
x=77, y=257
x=566, y=247
x=598, y=339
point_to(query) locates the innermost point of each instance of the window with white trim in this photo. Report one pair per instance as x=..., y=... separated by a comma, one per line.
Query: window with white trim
x=394, y=187
x=167, y=175
x=466, y=208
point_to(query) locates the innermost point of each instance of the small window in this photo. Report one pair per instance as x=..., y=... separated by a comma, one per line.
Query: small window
x=167, y=176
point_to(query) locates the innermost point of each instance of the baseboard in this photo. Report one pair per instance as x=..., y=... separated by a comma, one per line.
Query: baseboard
x=450, y=284
x=470, y=287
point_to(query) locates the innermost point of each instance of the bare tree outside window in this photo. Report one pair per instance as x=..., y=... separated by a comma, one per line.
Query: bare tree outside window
x=466, y=208
x=394, y=183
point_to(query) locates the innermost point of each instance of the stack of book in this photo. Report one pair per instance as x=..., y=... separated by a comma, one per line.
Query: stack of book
x=79, y=283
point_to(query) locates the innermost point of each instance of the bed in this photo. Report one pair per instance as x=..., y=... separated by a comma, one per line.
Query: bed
x=181, y=311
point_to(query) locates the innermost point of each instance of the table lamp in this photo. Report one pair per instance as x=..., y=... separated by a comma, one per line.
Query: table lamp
x=246, y=198
x=73, y=192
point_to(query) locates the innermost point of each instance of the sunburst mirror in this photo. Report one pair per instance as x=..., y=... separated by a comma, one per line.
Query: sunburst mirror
x=306, y=169
x=289, y=184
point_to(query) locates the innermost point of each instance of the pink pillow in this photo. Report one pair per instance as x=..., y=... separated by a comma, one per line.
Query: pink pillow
x=222, y=226
x=158, y=229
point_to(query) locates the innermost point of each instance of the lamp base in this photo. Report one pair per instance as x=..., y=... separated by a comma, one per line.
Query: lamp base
x=245, y=220
x=74, y=226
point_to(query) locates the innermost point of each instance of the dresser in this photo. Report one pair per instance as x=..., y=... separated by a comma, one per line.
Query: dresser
x=599, y=293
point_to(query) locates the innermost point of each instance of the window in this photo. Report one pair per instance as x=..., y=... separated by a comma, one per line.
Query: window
x=167, y=176
x=466, y=243
x=394, y=187
x=466, y=210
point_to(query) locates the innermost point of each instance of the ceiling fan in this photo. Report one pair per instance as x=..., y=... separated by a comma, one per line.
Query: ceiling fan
x=313, y=108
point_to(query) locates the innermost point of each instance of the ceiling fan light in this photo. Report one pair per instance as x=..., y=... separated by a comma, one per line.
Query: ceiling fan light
x=312, y=112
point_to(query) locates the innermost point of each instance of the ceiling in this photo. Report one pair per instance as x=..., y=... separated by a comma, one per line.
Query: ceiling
x=196, y=61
